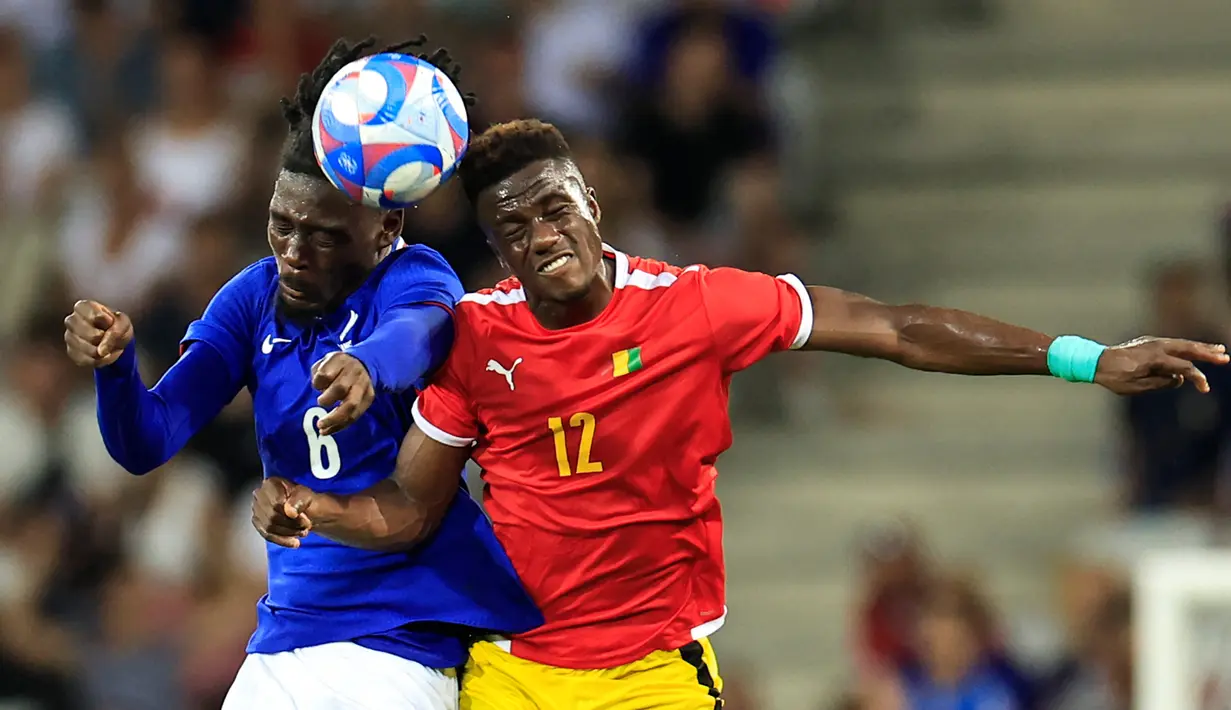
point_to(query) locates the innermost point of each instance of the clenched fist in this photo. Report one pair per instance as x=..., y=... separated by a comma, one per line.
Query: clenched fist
x=279, y=511
x=343, y=381
x=95, y=336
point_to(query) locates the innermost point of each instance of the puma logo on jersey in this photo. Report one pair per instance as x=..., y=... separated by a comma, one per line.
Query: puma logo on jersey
x=493, y=366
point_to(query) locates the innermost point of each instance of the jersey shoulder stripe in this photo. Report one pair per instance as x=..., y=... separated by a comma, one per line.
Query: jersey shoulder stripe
x=631, y=272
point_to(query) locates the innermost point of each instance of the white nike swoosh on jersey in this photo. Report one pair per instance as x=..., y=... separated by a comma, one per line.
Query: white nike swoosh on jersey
x=267, y=347
x=354, y=317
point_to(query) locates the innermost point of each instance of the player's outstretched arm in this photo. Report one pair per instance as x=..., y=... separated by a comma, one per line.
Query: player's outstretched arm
x=143, y=428
x=395, y=514
x=959, y=342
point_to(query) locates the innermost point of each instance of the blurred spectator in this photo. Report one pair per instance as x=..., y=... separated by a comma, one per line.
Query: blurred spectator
x=186, y=156
x=691, y=129
x=43, y=23
x=575, y=51
x=183, y=293
x=1103, y=678
x=256, y=184
x=218, y=630
x=1174, y=438
x=746, y=33
x=895, y=575
x=957, y=666
x=759, y=235
x=1078, y=680
x=115, y=245
x=493, y=66
x=290, y=36
x=40, y=417
x=36, y=137
x=131, y=661
x=1224, y=238
x=36, y=149
x=105, y=72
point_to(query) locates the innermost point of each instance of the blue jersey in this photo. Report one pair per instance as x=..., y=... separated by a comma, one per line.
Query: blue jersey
x=325, y=591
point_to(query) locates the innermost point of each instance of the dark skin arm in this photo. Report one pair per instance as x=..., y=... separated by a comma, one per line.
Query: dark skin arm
x=395, y=514
x=937, y=339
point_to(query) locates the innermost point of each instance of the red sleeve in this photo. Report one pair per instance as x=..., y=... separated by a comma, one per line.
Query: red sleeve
x=752, y=314
x=443, y=410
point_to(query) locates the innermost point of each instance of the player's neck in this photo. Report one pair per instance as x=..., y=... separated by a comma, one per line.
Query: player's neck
x=557, y=315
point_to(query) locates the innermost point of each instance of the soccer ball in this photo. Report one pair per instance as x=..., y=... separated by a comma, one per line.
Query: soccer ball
x=389, y=129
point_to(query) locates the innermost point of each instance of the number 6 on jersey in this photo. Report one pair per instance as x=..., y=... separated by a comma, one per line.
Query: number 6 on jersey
x=584, y=421
x=323, y=454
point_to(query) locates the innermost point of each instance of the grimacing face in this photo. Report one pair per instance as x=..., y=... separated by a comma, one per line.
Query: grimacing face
x=542, y=221
x=325, y=244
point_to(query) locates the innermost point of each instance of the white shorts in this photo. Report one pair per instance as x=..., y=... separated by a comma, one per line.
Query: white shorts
x=339, y=676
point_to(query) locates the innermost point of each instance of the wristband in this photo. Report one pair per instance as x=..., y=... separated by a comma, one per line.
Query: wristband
x=1074, y=358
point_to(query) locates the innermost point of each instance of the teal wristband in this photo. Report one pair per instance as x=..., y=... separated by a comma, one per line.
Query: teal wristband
x=1074, y=358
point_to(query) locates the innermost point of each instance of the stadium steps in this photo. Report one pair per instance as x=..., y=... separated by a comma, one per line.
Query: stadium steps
x=1054, y=231
x=1032, y=170
x=1063, y=257
x=1061, y=37
x=1032, y=129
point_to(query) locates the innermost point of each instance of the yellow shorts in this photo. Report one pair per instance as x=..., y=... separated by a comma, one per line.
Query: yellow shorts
x=686, y=679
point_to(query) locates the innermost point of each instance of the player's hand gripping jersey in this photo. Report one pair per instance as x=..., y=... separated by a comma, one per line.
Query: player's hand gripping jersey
x=598, y=445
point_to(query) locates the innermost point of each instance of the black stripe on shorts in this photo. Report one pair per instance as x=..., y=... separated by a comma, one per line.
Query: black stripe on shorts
x=694, y=655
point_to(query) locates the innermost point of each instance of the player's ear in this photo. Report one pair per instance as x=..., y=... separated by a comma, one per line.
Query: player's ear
x=592, y=204
x=391, y=224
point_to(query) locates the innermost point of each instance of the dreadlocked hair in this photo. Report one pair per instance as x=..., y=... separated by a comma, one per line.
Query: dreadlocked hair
x=505, y=148
x=298, y=155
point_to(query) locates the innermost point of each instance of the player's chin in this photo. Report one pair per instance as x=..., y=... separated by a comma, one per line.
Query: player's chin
x=298, y=307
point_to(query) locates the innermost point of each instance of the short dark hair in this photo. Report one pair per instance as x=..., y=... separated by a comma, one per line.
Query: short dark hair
x=298, y=155
x=505, y=148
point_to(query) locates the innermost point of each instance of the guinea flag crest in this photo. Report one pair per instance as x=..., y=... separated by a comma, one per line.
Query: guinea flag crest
x=626, y=361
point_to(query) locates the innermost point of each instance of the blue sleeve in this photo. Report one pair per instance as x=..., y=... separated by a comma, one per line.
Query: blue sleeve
x=142, y=428
x=228, y=325
x=418, y=275
x=414, y=330
x=409, y=343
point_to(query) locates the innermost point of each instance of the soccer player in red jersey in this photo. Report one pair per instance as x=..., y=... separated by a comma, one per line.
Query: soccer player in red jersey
x=592, y=390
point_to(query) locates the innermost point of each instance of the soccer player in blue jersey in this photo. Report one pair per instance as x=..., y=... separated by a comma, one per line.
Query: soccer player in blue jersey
x=331, y=335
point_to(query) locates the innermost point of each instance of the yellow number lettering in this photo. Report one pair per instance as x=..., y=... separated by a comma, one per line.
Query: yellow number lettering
x=557, y=434
x=586, y=422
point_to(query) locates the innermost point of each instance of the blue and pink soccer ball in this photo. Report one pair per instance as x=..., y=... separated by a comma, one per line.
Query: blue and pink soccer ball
x=389, y=129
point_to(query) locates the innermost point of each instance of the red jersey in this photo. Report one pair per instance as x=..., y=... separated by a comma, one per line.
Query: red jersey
x=598, y=444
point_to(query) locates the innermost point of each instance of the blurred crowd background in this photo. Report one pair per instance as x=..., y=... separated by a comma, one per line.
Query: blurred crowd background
x=896, y=541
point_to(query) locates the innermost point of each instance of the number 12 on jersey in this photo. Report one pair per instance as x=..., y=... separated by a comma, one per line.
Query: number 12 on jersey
x=585, y=422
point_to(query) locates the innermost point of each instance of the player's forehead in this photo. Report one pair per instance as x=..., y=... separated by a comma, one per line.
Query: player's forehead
x=535, y=185
x=312, y=200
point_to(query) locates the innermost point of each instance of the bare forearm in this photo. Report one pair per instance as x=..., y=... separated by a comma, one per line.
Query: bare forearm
x=959, y=342
x=924, y=337
x=401, y=511
x=382, y=517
